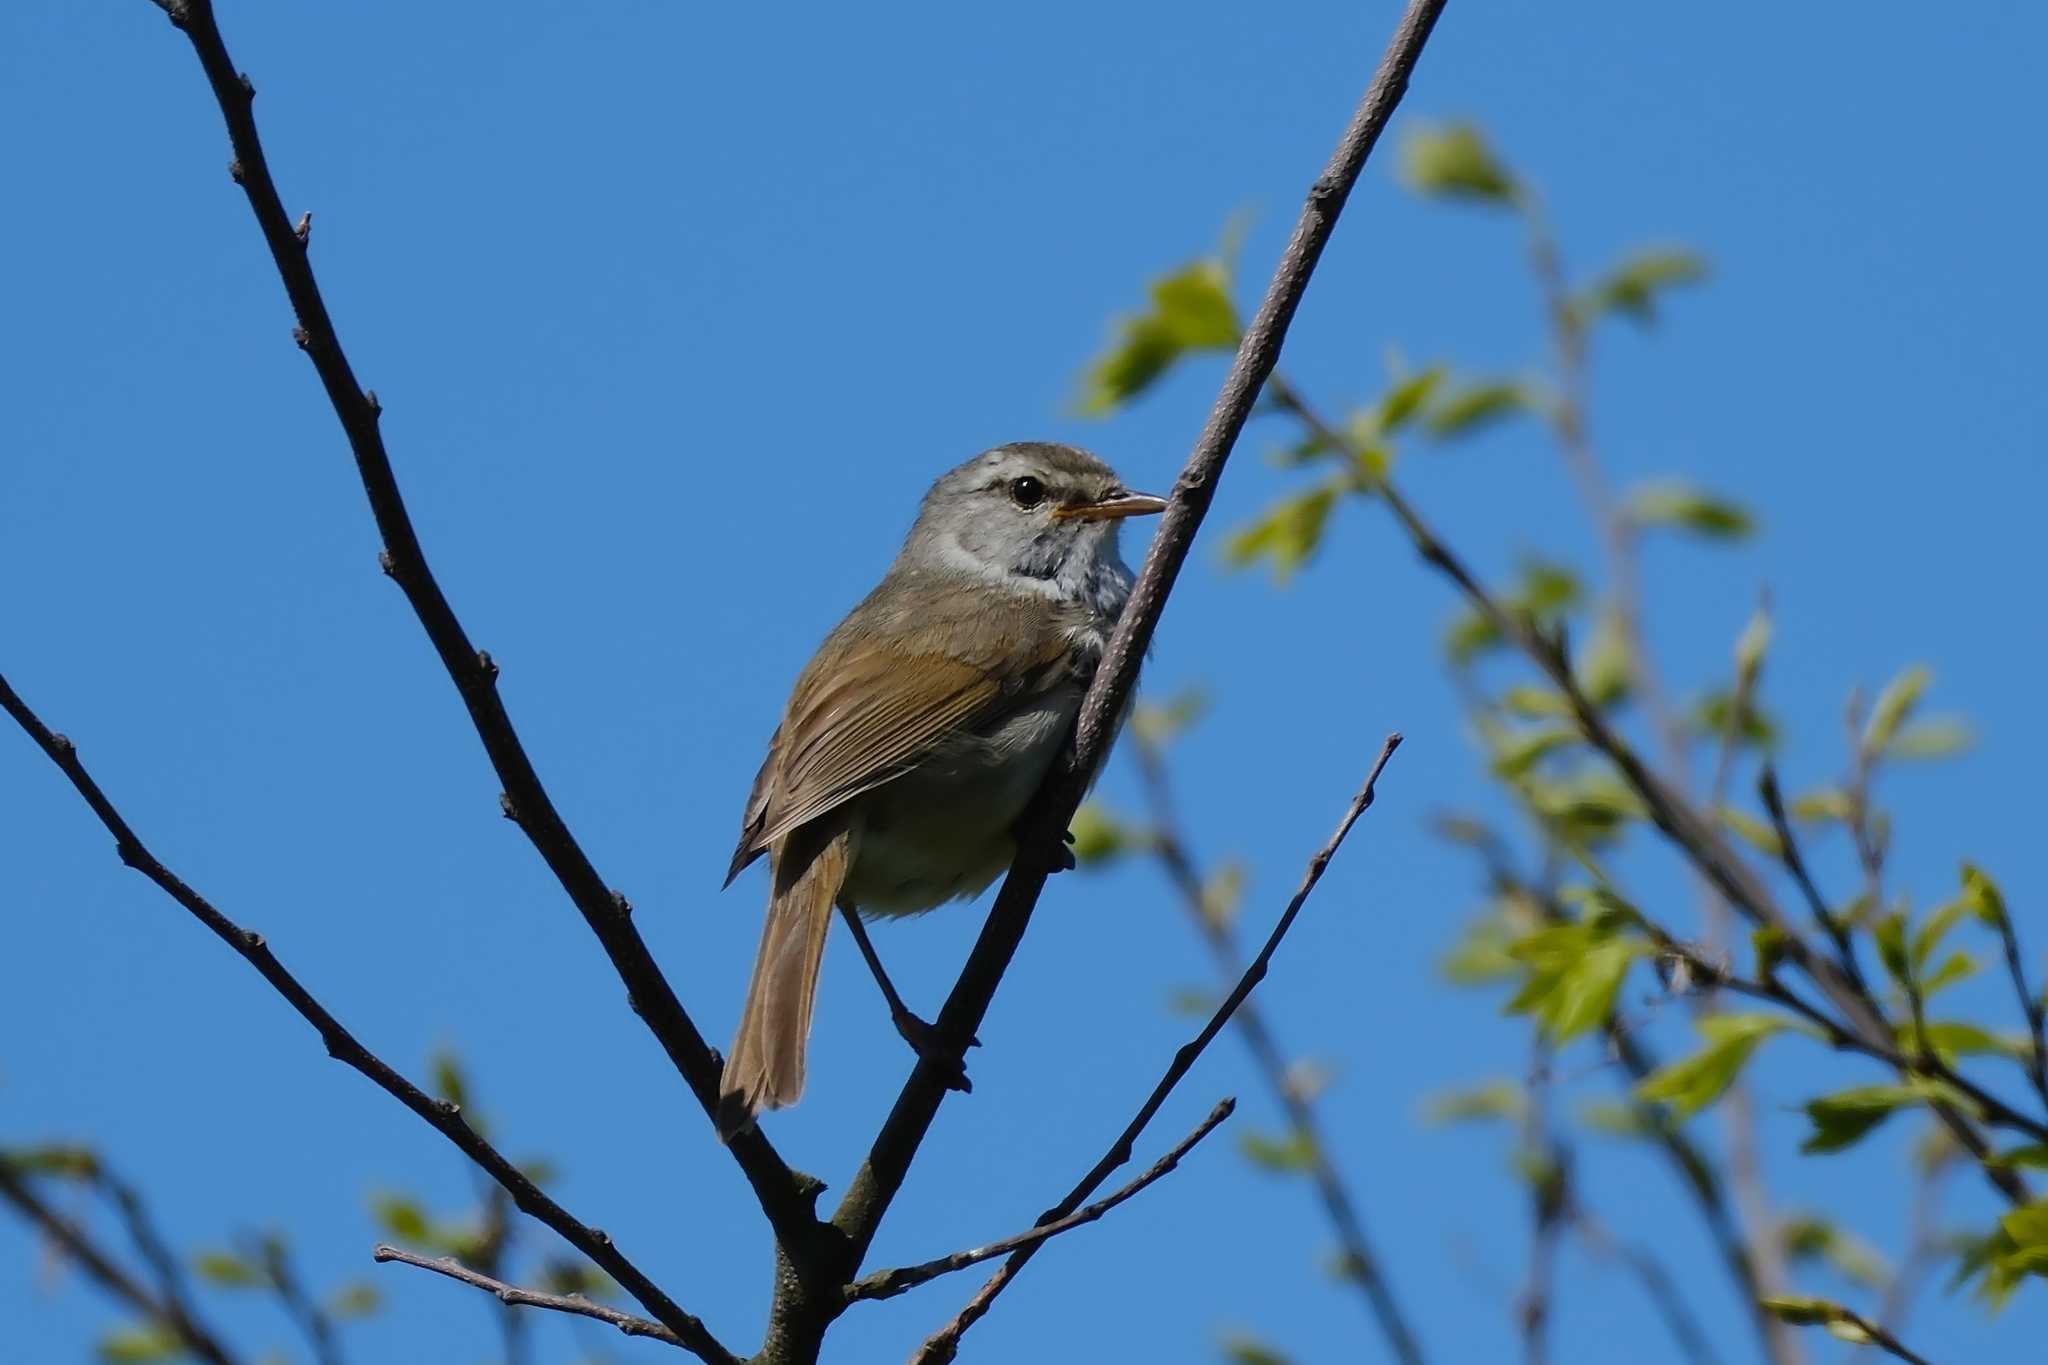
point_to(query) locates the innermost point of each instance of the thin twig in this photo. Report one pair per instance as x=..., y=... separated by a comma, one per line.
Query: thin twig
x=1549, y=1175
x=512, y=1296
x=166, y=1310
x=2031, y=1005
x=786, y=1196
x=445, y=1117
x=1361, y=1266
x=887, y=1284
x=875, y=1185
x=312, y=1319
x=1657, y=1283
x=1684, y=826
x=1696, y=1173
x=943, y=1344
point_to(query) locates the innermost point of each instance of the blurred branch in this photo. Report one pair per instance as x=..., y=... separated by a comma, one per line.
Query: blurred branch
x=1924, y=1249
x=1547, y=1167
x=1695, y=1171
x=1361, y=1266
x=785, y=1196
x=512, y=1296
x=1040, y=848
x=1867, y=1028
x=313, y=1320
x=944, y=1343
x=887, y=1284
x=166, y=1308
x=1657, y=1283
x=446, y=1118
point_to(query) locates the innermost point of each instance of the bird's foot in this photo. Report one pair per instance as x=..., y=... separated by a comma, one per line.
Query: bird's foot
x=924, y=1041
x=1063, y=855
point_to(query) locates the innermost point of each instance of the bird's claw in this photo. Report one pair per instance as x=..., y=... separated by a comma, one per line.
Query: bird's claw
x=924, y=1041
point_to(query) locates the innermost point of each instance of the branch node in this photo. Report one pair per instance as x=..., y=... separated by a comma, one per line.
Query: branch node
x=252, y=941
x=303, y=229
x=63, y=745
x=489, y=665
x=506, y=808
x=621, y=904
x=370, y=400
x=235, y=170
x=303, y=338
x=387, y=563
x=248, y=86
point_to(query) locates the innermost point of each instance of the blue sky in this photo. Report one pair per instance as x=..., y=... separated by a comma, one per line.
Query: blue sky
x=674, y=313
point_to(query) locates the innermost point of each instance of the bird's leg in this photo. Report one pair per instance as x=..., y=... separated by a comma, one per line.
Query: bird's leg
x=922, y=1037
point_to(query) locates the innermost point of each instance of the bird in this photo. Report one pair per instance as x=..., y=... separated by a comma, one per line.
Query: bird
x=921, y=728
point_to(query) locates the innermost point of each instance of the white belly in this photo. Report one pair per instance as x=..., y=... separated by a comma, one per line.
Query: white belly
x=943, y=830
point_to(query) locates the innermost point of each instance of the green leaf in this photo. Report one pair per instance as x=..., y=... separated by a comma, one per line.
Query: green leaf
x=1602, y=668
x=228, y=1270
x=1684, y=507
x=140, y=1343
x=1713, y=714
x=564, y=1275
x=1223, y=894
x=1940, y=737
x=1516, y=753
x=1890, y=934
x=1160, y=723
x=1692, y=1083
x=1816, y=1239
x=449, y=1081
x=1452, y=161
x=1242, y=1350
x=1986, y=901
x=1098, y=837
x=1287, y=1155
x=1405, y=399
x=1959, y=967
x=1632, y=287
x=1470, y=634
x=1287, y=534
x=1952, y=1038
x=1754, y=832
x=1935, y=928
x=1191, y=312
x=1534, y=702
x=1802, y=1312
x=63, y=1162
x=1893, y=706
x=1193, y=1001
x=356, y=1299
x=1574, y=973
x=1828, y=803
x=1751, y=646
x=1481, y=954
x=400, y=1216
x=1470, y=406
x=1502, y=1099
x=1846, y=1117
x=2033, y=1156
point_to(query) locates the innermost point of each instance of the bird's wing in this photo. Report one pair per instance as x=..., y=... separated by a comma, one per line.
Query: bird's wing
x=865, y=713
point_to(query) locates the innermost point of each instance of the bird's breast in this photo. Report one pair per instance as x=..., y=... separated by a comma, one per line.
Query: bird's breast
x=943, y=830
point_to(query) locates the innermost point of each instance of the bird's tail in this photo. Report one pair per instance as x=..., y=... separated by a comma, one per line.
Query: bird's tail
x=766, y=1067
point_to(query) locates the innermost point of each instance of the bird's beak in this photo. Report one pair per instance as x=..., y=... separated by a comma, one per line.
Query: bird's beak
x=1115, y=507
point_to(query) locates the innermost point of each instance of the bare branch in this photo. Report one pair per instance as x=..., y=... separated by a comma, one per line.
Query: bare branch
x=445, y=1117
x=313, y=1320
x=1361, y=1266
x=167, y=1309
x=786, y=1196
x=943, y=1344
x=887, y=1284
x=875, y=1185
x=512, y=1296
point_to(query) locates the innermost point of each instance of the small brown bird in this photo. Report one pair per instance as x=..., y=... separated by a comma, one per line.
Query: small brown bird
x=921, y=728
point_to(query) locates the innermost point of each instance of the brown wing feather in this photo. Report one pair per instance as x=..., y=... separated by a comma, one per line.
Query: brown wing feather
x=918, y=662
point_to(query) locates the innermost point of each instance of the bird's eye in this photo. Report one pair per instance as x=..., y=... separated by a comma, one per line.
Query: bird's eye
x=1027, y=492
